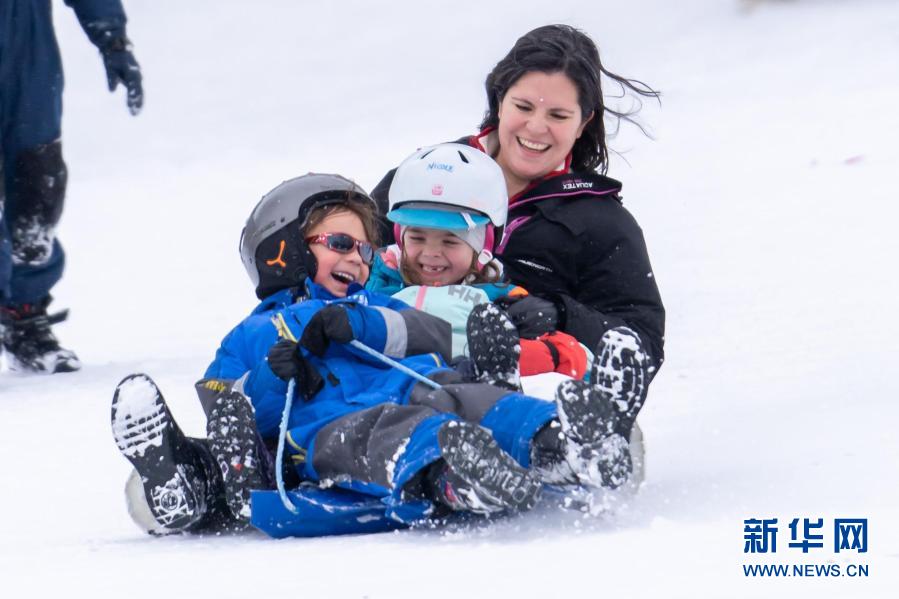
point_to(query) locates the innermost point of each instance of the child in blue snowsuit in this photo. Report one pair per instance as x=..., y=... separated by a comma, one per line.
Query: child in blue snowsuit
x=356, y=423
x=360, y=423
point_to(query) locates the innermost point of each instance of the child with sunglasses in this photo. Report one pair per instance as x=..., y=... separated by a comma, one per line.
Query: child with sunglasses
x=307, y=249
x=356, y=423
x=446, y=203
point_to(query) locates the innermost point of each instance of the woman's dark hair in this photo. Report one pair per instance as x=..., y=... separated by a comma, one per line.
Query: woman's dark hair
x=564, y=49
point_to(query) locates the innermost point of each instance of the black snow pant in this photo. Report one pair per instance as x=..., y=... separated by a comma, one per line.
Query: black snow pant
x=363, y=446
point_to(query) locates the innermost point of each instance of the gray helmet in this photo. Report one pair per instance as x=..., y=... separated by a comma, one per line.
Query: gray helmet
x=271, y=245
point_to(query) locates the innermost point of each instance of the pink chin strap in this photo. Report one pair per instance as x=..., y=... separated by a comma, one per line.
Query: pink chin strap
x=485, y=255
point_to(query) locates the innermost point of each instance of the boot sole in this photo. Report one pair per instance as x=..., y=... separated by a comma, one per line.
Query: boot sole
x=619, y=369
x=587, y=414
x=56, y=364
x=472, y=454
x=494, y=347
x=147, y=435
x=231, y=431
x=590, y=420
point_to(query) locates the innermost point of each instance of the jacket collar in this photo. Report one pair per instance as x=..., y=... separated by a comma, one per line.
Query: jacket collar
x=487, y=141
x=317, y=292
x=279, y=299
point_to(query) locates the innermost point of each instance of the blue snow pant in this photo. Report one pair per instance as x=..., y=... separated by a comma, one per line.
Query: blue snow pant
x=31, y=164
x=377, y=450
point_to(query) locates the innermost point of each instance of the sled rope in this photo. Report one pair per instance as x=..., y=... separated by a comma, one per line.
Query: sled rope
x=279, y=458
x=391, y=362
x=284, y=331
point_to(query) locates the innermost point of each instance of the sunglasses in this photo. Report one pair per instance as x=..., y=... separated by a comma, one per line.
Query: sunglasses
x=344, y=244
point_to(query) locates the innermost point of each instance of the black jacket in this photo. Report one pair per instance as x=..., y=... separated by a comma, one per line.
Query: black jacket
x=569, y=239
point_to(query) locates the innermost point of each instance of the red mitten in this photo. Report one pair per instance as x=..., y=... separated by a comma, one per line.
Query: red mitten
x=572, y=358
x=536, y=358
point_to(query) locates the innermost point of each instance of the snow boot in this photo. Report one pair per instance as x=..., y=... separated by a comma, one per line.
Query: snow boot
x=235, y=447
x=549, y=456
x=596, y=453
x=28, y=342
x=174, y=475
x=477, y=476
x=596, y=419
x=620, y=369
x=494, y=347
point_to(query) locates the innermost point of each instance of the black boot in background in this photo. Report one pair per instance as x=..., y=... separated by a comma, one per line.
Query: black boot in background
x=28, y=342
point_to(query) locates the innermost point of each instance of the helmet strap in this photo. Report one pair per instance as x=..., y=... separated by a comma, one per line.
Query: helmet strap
x=489, y=238
x=310, y=264
x=485, y=257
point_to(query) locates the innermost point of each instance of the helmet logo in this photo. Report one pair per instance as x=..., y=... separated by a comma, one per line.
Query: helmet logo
x=440, y=166
x=437, y=190
x=279, y=259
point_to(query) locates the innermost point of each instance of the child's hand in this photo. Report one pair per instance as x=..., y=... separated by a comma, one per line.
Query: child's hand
x=331, y=323
x=287, y=363
x=284, y=360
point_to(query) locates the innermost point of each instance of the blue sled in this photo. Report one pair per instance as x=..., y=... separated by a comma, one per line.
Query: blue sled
x=334, y=511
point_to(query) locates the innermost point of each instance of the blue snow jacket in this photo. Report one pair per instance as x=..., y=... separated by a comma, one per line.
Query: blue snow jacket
x=353, y=380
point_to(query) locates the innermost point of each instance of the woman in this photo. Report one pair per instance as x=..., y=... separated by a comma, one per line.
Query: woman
x=568, y=239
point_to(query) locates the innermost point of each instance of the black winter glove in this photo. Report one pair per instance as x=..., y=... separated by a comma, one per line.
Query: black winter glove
x=122, y=67
x=287, y=363
x=331, y=323
x=532, y=316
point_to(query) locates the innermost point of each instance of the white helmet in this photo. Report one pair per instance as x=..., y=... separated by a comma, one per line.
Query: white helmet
x=448, y=186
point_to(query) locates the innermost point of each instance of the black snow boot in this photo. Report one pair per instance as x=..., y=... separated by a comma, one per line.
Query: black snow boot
x=177, y=477
x=620, y=370
x=475, y=475
x=596, y=454
x=549, y=456
x=29, y=343
x=596, y=418
x=237, y=450
x=494, y=347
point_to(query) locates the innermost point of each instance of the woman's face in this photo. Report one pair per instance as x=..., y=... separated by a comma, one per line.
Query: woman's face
x=335, y=270
x=436, y=257
x=539, y=121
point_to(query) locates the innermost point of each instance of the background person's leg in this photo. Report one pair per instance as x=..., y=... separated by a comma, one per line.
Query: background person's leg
x=34, y=179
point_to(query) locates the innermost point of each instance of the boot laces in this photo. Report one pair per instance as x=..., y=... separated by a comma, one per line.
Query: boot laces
x=27, y=332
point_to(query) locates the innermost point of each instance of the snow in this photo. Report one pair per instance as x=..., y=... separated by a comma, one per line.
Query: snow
x=768, y=203
x=138, y=417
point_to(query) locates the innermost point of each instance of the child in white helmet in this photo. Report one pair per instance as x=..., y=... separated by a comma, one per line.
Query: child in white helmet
x=356, y=423
x=448, y=203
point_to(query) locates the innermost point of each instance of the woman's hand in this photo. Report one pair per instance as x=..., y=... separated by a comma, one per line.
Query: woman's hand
x=531, y=315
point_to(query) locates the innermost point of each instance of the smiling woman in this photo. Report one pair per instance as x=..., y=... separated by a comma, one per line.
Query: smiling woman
x=567, y=238
x=539, y=121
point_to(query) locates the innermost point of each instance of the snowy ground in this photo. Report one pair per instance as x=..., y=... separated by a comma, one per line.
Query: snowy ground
x=767, y=199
